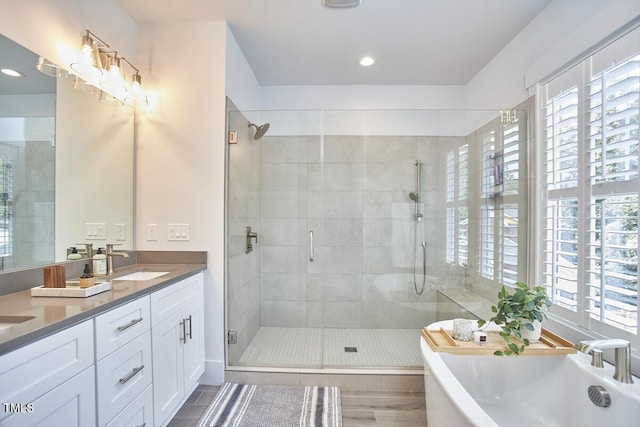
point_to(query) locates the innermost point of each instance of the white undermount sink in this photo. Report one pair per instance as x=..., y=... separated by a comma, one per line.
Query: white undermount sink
x=8, y=321
x=142, y=275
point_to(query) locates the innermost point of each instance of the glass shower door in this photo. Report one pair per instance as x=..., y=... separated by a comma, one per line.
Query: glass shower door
x=274, y=293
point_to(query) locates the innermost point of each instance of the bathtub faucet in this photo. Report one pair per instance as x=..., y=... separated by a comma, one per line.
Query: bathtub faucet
x=622, y=355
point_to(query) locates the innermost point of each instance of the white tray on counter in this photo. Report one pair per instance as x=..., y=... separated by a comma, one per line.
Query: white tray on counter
x=73, y=290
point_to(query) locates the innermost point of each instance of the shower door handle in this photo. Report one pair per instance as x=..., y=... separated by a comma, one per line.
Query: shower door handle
x=311, y=254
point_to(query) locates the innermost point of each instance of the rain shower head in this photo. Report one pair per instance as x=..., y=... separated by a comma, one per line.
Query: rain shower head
x=260, y=130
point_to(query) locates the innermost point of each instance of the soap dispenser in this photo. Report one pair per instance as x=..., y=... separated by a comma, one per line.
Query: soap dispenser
x=74, y=254
x=99, y=263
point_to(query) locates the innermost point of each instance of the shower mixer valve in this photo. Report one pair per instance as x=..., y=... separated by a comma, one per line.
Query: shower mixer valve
x=250, y=235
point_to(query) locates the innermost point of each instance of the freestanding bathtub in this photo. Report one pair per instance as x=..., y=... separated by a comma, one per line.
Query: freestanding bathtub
x=522, y=391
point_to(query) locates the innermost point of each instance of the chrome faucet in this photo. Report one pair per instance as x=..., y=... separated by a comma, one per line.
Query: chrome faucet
x=111, y=254
x=622, y=355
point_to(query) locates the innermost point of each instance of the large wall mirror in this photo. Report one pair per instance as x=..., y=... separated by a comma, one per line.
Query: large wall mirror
x=66, y=165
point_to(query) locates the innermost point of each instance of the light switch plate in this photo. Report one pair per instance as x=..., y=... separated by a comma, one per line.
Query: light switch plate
x=96, y=231
x=178, y=232
x=152, y=232
x=121, y=232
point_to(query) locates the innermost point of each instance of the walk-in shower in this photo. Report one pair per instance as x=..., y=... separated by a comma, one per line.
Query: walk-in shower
x=356, y=236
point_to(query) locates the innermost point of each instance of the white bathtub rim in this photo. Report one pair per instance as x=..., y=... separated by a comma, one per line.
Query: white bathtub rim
x=470, y=410
x=457, y=394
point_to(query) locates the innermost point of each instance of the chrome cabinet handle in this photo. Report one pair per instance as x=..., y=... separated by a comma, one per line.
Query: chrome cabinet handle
x=311, y=252
x=190, y=328
x=131, y=375
x=130, y=324
x=183, y=338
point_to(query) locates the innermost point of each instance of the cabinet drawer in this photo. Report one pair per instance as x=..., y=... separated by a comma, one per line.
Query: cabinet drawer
x=167, y=301
x=119, y=326
x=28, y=371
x=122, y=376
x=138, y=413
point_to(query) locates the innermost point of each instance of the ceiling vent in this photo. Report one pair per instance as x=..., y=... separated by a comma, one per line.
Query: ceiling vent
x=341, y=3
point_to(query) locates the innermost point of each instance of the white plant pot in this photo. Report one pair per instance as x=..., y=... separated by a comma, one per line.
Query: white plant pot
x=532, y=336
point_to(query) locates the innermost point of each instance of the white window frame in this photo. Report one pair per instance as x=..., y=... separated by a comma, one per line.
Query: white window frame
x=583, y=192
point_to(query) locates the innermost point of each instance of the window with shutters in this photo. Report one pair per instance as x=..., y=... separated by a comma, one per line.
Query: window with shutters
x=589, y=213
x=457, y=248
x=500, y=226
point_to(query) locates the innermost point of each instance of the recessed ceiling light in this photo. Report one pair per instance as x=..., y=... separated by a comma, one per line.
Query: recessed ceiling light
x=366, y=61
x=12, y=73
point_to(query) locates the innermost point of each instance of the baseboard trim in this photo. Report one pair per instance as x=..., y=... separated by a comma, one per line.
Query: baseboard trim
x=213, y=373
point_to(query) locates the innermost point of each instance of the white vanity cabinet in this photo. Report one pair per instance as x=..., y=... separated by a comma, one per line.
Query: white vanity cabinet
x=178, y=344
x=50, y=382
x=123, y=364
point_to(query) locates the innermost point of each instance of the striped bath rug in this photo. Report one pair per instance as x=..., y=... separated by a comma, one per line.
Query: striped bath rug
x=245, y=405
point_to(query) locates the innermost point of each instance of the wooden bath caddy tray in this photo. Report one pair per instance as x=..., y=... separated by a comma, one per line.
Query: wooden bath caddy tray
x=550, y=344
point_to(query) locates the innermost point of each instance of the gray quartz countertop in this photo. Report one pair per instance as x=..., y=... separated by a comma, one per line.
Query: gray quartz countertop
x=51, y=314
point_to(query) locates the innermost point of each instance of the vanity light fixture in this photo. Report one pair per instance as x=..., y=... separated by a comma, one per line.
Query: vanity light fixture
x=113, y=80
x=136, y=96
x=101, y=68
x=88, y=64
x=49, y=68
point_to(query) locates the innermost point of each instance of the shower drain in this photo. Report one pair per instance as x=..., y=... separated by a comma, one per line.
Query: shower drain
x=351, y=349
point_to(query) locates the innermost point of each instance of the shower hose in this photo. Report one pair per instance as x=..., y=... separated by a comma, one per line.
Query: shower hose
x=424, y=262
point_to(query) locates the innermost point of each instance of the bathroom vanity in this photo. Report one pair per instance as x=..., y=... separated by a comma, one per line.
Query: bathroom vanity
x=128, y=356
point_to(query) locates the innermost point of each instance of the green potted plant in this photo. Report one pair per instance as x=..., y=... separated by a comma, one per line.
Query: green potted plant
x=519, y=313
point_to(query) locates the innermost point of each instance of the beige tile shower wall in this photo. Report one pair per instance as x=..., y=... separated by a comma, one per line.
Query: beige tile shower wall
x=33, y=196
x=243, y=270
x=283, y=201
x=357, y=203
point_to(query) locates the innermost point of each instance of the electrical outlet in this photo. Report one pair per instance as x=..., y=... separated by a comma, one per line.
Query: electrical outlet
x=178, y=232
x=152, y=232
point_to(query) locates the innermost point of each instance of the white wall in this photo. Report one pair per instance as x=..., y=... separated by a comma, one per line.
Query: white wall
x=240, y=83
x=181, y=150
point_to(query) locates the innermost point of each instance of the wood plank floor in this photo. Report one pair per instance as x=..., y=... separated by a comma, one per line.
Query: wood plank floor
x=359, y=408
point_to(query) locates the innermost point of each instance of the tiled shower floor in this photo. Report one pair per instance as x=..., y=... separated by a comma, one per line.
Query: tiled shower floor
x=303, y=348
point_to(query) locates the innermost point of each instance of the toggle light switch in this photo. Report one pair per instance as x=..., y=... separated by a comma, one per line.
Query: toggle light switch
x=121, y=232
x=152, y=232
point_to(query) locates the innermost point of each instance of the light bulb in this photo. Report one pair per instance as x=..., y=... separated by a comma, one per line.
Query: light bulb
x=113, y=81
x=88, y=63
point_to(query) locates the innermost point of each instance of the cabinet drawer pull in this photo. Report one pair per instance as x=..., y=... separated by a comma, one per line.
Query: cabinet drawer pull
x=143, y=425
x=130, y=324
x=131, y=375
x=183, y=338
x=190, y=327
